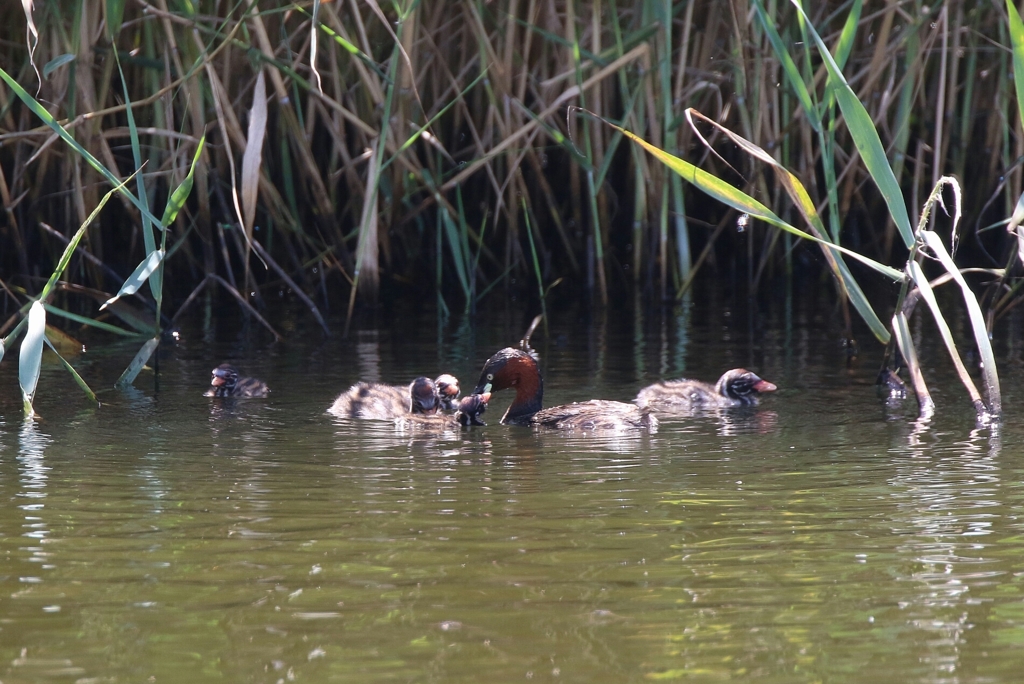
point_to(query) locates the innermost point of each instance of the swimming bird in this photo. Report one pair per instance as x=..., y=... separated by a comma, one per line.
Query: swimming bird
x=514, y=368
x=737, y=387
x=226, y=383
x=386, y=402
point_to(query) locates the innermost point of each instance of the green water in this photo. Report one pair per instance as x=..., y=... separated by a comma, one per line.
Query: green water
x=820, y=537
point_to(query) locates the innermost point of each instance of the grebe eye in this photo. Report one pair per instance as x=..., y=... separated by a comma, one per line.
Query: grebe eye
x=490, y=376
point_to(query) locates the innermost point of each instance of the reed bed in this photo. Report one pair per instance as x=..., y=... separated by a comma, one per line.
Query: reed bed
x=357, y=151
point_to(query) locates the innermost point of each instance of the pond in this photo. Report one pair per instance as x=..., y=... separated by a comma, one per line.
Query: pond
x=821, y=536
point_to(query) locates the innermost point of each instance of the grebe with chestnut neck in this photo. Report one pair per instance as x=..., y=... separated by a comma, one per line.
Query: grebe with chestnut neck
x=515, y=369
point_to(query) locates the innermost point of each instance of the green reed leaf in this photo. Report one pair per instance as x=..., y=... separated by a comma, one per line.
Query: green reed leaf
x=849, y=32
x=177, y=199
x=115, y=17
x=865, y=137
x=72, y=245
x=56, y=63
x=48, y=119
x=739, y=200
x=1016, y=27
x=789, y=67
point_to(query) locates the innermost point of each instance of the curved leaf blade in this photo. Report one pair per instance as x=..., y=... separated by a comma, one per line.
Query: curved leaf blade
x=253, y=155
x=988, y=359
x=177, y=199
x=56, y=63
x=739, y=200
x=138, y=277
x=115, y=17
x=928, y=295
x=31, y=356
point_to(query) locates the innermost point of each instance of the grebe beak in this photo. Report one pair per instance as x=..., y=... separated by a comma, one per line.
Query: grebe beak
x=765, y=386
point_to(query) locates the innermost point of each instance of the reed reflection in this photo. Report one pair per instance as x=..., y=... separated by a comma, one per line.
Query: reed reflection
x=33, y=477
x=947, y=501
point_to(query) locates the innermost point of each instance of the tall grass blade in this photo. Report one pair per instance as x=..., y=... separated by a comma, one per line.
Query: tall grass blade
x=846, y=37
x=137, y=364
x=74, y=374
x=31, y=356
x=789, y=68
x=802, y=201
x=367, y=254
x=865, y=137
x=48, y=119
x=451, y=232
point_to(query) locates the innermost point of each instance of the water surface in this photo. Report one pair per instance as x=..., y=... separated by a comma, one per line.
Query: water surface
x=819, y=537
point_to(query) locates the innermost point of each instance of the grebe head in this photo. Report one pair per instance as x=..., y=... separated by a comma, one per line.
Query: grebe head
x=424, y=396
x=513, y=368
x=447, y=391
x=224, y=378
x=742, y=385
x=507, y=368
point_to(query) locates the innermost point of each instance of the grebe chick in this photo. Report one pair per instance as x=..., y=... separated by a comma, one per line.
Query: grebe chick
x=226, y=383
x=738, y=387
x=447, y=388
x=467, y=413
x=516, y=369
x=377, y=401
